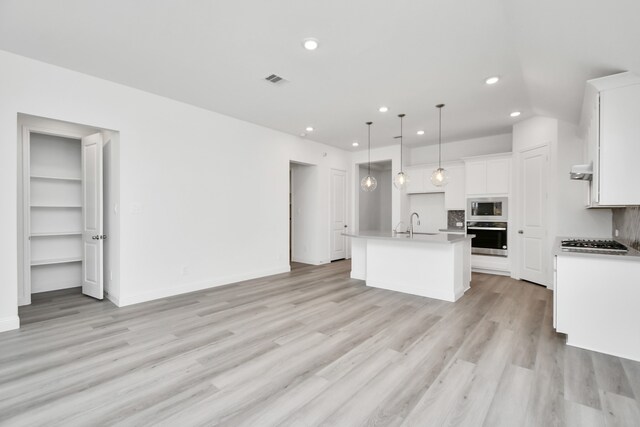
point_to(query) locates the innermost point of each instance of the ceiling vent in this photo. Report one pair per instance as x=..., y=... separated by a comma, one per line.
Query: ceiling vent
x=274, y=78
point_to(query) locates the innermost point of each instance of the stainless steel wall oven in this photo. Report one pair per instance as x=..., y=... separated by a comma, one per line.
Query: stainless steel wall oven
x=491, y=238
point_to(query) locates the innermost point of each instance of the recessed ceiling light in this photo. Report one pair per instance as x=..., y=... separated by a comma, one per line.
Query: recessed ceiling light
x=355, y=143
x=383, y=109
x=492, y=80
x=309, y=129
x=310, y=44
x=515, y=114
x=420, y=132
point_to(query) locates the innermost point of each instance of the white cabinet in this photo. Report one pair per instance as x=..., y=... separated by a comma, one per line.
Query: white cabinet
x=596, y=303
x=454, y=196
x=420, y=180
x=416, y=179
x=488, y=175
x=454, y=191
x=612, y=130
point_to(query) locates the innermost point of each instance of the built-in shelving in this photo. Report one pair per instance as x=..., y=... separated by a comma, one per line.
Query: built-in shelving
x=55, y=212
x=55, y=178
x=57, y=206
x=55, y=261
x=57, y=233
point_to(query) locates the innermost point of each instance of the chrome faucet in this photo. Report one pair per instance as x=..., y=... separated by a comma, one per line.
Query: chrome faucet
x=411, y=223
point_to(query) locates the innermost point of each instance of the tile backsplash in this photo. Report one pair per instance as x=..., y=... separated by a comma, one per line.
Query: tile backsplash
x=453, y=217
x=627, y=222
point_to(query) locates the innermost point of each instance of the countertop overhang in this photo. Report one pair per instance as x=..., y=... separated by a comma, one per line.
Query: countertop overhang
x=446, y=238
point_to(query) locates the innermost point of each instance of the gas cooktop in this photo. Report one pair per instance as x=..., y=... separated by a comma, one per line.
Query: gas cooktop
x=599, y=246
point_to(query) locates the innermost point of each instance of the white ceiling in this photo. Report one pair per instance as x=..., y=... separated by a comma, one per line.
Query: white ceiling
x=406, y=54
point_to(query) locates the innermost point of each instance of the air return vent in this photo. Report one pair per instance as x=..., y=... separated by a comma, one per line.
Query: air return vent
x=274, y=78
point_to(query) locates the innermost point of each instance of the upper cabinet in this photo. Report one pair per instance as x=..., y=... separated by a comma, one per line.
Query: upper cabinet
x=488, y=175
x=420, y=183
x=454, y=198
x=611, y=126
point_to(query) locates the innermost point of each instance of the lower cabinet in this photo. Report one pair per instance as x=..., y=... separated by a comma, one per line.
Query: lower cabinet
x=595, y=299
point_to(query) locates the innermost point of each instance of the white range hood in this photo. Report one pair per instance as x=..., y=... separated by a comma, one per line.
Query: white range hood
x=581, y=172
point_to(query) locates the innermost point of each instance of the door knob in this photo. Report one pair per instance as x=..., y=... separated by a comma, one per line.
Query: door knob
x=104, y=236
x=97, y=237
x=345, y=226
x=520, y=232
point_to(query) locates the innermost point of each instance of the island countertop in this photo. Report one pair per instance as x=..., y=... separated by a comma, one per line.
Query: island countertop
x=417, y=237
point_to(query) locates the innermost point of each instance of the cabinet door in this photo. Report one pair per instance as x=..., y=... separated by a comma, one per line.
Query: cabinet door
x=454, y=198
x=476, y=177
x=416, y=182
x=498, y=176
x=619, y=146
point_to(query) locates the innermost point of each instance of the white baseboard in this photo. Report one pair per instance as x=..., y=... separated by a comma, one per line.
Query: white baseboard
x=184, y=288
x=307, y=261
x=9, y=323
x=489, y=271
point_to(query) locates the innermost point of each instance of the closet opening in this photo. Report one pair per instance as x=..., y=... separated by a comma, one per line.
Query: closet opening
x=68, y=225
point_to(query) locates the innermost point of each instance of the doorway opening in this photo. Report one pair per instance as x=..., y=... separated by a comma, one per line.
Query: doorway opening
x=68, y=227
x=374, y=208
x=303, y=213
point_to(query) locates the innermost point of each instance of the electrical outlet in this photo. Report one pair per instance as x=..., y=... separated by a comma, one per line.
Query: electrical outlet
x=110, y=275
x=616, y=233
x=458, y=224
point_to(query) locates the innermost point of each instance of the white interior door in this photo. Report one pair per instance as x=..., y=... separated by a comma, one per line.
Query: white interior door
x=338, y=214
x=92, y=233
x=533, y=214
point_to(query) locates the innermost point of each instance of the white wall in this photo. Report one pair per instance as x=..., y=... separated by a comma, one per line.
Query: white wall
x=566, y=212
x=398, y=205
x=456, y=150
x=200, y=192
x=572, y=217
x=374, y=208
x=430, y=207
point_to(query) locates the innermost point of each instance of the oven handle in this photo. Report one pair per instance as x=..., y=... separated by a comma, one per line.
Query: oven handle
x=487, y=228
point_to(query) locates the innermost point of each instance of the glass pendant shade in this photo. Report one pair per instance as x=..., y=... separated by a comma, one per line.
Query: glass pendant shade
x=440, y=177
x=368, y=183
x=400, y=181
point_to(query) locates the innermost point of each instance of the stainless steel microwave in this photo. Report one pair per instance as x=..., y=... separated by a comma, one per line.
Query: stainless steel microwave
x=487, y=209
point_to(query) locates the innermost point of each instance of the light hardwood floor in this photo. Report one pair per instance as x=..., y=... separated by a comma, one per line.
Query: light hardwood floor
x=310, y=347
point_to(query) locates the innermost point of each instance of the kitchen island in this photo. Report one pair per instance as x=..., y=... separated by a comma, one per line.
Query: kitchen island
x=436, y=265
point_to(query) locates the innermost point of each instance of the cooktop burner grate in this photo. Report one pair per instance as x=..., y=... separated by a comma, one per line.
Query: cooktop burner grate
x=593, y=245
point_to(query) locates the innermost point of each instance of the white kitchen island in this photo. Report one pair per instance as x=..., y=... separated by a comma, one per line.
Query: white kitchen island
x=430, y=265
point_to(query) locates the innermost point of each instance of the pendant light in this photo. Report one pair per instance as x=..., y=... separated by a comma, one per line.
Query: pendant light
x=369, y=183
x=440, y=177
x=401, y=180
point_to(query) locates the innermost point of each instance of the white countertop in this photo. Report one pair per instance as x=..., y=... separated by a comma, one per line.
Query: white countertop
x=417, y=237
x=632, y=255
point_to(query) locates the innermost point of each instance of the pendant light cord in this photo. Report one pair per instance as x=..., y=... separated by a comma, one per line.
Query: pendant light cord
x=439, y=107
x=369, y=129
x=401, y=117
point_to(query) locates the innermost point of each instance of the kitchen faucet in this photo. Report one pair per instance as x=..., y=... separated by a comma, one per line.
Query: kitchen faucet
x=411, y=222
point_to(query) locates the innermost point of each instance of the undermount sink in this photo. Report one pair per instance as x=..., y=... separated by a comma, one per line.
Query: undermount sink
x=409, y=235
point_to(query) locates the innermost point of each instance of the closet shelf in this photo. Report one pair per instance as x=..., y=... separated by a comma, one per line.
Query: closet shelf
x=55, y=178
x=57, y=206
x=60, y=233
x=55, y=261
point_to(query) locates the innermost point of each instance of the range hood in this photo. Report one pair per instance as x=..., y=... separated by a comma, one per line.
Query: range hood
x=581, y=172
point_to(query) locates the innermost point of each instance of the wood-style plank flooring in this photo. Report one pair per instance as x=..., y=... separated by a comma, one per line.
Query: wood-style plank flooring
x=310, y=347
